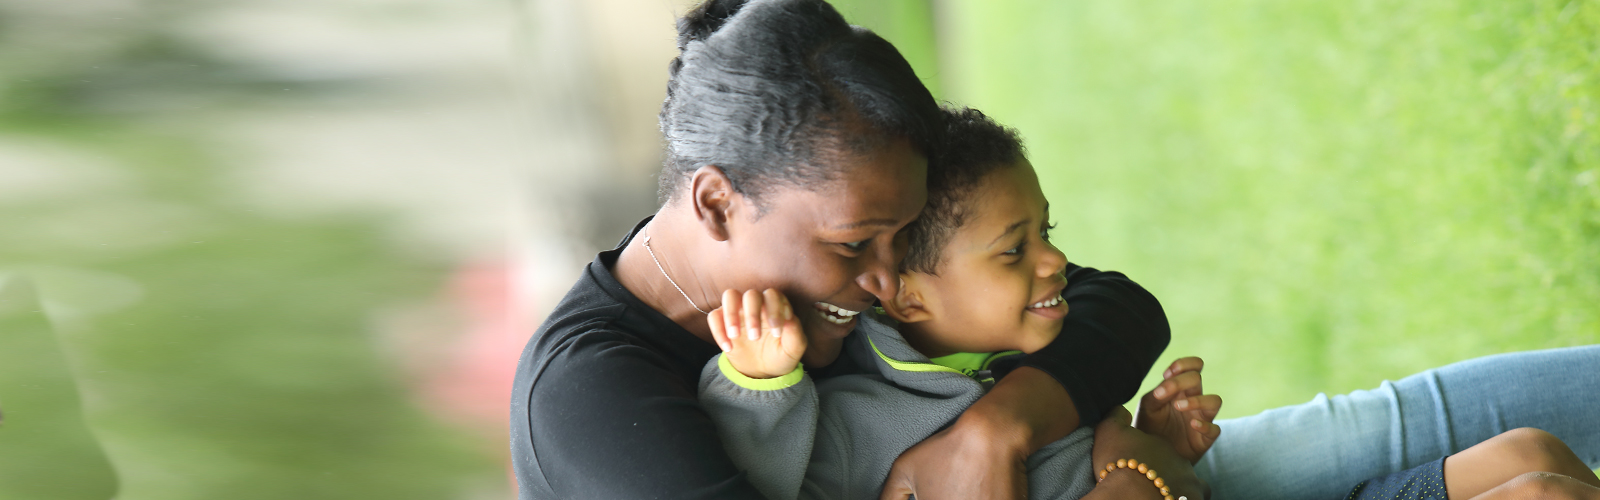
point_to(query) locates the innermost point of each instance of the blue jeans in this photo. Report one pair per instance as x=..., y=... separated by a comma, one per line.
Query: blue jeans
x=1320, y=449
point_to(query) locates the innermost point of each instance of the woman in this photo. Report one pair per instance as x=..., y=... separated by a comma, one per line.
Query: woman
x=797, y=148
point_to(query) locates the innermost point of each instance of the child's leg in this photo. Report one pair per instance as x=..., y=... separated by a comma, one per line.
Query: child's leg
x=1542, y=486
x=1507, y=458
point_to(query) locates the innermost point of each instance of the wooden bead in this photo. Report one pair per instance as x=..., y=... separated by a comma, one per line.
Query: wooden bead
x=1166, y=497
x=1102, y=475
x=1132, y=463
x=1143, y=468
x=1160, y=483
x=1122, y=463
x=1111, y=466
x=1151, y=475
x=1165, y=491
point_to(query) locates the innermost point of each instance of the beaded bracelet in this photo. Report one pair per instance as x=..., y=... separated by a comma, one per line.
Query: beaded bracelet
x=1149, y=473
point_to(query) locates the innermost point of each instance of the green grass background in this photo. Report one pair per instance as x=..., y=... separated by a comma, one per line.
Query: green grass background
x=1323, y=195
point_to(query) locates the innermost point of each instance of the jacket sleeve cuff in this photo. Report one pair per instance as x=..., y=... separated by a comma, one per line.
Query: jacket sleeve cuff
x=759, y=384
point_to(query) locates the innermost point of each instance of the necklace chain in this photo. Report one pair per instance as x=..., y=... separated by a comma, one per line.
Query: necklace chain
x=669, y=277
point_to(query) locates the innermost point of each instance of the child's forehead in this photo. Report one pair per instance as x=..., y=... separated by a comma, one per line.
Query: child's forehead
x=1002, y=199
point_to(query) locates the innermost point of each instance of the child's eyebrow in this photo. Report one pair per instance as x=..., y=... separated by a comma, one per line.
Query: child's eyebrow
x=1009, y=229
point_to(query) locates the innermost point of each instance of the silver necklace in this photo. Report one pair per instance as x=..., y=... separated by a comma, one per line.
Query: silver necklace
x=669, y=277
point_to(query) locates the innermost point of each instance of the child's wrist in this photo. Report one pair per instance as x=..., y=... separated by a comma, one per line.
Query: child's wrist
x=758, y=382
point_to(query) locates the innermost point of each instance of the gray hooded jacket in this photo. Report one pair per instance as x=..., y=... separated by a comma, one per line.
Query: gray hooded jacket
x=837, y=438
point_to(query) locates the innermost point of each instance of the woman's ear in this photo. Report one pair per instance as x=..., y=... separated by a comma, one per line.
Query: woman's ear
x=909, y=305
x=714, y=199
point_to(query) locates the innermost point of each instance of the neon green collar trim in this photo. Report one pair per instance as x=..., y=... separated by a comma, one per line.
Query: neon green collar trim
x=964, y=361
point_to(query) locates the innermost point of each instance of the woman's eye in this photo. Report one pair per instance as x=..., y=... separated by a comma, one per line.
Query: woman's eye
x=856, y=245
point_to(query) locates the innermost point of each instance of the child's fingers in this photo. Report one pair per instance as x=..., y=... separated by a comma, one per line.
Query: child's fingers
x=730, y=325
x=1201, y=436
x=1186, y=364
x=719, y=332
x=787, y=310
x=1204, y=434
x=792, y=340
x=730, y=314
x=1180, y=383
x=751, y=312
x=771, y=311
x=1205, y=405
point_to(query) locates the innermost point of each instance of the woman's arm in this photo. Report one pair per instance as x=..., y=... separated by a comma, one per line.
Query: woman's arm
x=1112, y=335
x=605, y=418
x=1116, y=439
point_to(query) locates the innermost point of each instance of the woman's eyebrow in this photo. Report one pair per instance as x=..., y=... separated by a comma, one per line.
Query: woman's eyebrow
x=865, y=223
x=1009, y=229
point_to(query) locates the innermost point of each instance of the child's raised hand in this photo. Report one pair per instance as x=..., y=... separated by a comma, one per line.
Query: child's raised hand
x=758, y=333
x=1179, y=411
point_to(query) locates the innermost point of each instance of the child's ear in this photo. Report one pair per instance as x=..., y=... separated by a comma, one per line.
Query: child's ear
x=908, y=305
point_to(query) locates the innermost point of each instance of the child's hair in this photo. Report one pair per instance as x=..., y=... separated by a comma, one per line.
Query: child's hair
x=973, y=146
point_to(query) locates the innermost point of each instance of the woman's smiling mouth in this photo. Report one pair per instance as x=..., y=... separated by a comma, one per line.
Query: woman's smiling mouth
x=835, y=314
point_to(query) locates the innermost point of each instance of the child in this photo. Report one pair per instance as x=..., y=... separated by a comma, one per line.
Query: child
x=980, y=282
x=981, y=285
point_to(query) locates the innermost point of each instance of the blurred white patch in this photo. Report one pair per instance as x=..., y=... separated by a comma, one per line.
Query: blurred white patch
x=36, y=169
x=70, y=294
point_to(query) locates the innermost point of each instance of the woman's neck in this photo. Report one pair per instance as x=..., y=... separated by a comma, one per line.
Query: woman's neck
x=659, y=262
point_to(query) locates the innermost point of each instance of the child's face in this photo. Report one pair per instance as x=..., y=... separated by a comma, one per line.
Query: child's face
x=999, y=284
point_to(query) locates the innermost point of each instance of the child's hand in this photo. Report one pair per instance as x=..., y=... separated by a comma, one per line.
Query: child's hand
x=758, y=333
x=1178, y=411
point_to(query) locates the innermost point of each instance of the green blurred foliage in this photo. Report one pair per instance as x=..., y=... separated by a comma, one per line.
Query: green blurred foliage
x=237, y=358
x=1323, y=194
x=42, y=430
x=909, y=25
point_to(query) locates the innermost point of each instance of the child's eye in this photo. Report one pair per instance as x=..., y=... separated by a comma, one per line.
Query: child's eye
x=1045, y=233
x=1016, y=250
x=856, y=246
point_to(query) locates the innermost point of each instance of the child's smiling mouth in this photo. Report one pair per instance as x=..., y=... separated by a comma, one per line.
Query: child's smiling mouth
x=1053, y=308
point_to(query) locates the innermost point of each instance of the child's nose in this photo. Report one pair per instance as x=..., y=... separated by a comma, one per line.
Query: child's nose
x=1052, y=262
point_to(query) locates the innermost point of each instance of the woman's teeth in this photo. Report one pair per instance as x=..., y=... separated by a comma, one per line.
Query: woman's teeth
x=835, y=314
x=1048, y=303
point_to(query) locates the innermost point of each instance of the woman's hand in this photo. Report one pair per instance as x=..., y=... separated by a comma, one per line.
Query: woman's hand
x=1115, y=439
x=1179, y=411
x=983, y=454
x=758, y=333
x=964, y=461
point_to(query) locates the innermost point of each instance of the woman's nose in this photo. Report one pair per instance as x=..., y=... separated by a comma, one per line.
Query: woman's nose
x=881, y=277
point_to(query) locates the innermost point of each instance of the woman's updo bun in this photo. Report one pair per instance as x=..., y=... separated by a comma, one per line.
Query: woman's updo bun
x=705, y=19
x=775, y=91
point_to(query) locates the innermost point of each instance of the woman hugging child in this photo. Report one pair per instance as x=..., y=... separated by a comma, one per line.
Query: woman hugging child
x=981, y=285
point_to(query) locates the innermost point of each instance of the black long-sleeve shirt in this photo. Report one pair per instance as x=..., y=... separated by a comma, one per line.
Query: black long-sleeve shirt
x=604, y=403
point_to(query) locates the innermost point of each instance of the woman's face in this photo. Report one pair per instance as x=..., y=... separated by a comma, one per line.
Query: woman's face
x=831, y=248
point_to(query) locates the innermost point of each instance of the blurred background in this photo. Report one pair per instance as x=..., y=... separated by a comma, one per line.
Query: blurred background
x=292, y=249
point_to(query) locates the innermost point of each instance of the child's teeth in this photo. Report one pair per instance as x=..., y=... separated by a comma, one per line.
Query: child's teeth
x=1048, y=303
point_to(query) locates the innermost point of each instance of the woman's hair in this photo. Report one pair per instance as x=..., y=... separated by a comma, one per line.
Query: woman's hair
x=778, y=91
x=974, y=146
